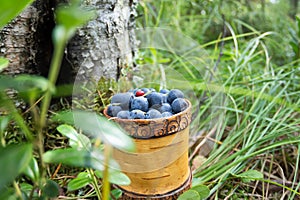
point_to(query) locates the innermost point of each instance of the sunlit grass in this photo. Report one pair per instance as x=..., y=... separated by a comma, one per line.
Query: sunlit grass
x=251, y=102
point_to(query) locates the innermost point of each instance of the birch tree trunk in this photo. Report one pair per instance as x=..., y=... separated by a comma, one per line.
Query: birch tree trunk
x=105, y=44
x=25, y=41
x=100, y=49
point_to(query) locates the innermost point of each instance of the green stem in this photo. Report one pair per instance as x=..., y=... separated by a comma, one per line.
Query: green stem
x=95, y=182
x=16, y=115
x=54, y=70
x=53, y=73
x=18, y=191
x=106, y=184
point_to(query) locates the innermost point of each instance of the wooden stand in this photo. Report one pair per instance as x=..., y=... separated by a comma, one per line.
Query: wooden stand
x=159, y=167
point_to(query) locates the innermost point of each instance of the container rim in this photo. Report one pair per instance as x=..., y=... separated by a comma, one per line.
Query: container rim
x=188, y=109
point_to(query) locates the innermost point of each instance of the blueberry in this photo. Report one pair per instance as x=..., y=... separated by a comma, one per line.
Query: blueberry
x=152, y=114
x=174, y=94
x=166, y=114
x=113, y=110
x=122, y=99
x=154, y=98
x=165, y=107
x=164, y=91
x=123, y=114
x=136, y=114
x=155, y=107
x=179, y=105
x=139, y=103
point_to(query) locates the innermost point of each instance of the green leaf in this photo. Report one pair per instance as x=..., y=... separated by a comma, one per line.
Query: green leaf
x=116, y=193
x=31, y=87
x=115, y=177
x=32, y=170
x=202, y=190
x=78, y=158
x=16, y=159
x=164, y=60
x=10, y=9
x=64, y=90
x=8, y=194
x=82, y=142
x=98, y=127
x=64, y=116
x=80, y=181
x=250, y=175
x=69, y=18
x=50, y=189
x=26, y=189
x=3, y=63
x=76, y=140
x=4, y=120
x=101, y=127
x=73, y=16
x=9, y=105
x=189, y=195
x=196, y=181
x=28, y=86
x=68, y=131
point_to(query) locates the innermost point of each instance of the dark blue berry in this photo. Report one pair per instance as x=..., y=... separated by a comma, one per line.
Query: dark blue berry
x=179, y=105
x=123, y=114
x=154, y=98
x=122, y=99
x=174, y=94
x=164, y=91
x=152, y=114
x=139, y=103
x=113, y=110
x=155, y=107
x=136, y=114
x=165, y=107
x=166, y=114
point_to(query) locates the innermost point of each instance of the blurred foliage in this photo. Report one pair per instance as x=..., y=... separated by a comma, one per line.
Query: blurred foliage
x=203, y=20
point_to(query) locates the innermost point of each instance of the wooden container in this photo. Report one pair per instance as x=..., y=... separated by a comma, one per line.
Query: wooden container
x=159, y=167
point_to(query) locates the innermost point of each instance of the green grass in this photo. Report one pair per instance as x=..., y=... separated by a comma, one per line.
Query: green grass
x=252, y=105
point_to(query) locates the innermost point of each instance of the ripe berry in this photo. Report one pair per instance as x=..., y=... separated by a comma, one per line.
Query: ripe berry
x=166, y=114
x=136, y=114
x=154, y=98
x=113, y=110
x=165, y=107
x=139, y=93
x=179, y=105
x=174, y=94
x=164, y=91
x=122, y=99
x=139, y=103
x=152, y=114
x=123, y=114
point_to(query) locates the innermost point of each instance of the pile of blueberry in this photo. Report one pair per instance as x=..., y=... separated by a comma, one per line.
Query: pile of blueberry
x=147, y=103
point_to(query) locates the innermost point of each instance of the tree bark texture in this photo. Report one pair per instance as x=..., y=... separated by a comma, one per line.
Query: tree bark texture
x=26, y=42
x=105, y=44
x=99, y=49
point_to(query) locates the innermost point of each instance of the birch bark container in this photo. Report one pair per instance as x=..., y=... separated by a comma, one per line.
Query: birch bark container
x=159, y=167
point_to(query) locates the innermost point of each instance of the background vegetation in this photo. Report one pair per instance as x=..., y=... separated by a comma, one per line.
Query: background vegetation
x=245, y=103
